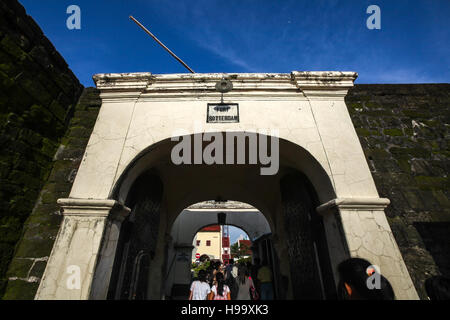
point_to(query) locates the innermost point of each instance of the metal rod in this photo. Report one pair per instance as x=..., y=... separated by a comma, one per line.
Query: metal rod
x=161, y=44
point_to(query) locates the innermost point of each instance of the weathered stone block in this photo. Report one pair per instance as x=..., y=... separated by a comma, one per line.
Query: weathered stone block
x=20, y=290
x=432, y=183
x=393, y=132
x=40, y=55
x=35, y=244
x=20, y=268
x=38, y=269
x=10, y=47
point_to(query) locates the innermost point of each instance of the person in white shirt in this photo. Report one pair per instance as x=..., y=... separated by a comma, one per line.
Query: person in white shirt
x=235, y=271
x=200, y=289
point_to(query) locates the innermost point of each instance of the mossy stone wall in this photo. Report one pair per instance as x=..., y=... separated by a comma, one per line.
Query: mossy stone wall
x=37, y=95
x=404, y=131
x=41, y=228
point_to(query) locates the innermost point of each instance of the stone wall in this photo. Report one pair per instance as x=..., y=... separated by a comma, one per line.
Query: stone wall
x=37, y=95
x=404, y=133
x=41, y=228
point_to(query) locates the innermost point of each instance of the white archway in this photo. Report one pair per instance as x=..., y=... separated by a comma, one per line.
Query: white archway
x=194, y=218
x=141, y=112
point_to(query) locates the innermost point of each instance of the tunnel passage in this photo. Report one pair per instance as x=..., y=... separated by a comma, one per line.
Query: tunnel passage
x=287, y=200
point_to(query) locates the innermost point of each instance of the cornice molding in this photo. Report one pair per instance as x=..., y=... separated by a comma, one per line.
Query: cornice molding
x=125, y=86
x=93, y=208
x=324, y=85
x=365, y=204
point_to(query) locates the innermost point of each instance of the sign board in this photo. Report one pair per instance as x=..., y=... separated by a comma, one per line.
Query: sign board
x=222, y=113
x=197, y=255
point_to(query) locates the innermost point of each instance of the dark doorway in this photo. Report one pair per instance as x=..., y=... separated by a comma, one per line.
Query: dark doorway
x=137, y=241
x=311, y=273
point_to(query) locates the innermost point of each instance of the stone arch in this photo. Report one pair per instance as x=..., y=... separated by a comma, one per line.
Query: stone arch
x=185, y=185
x=193, y=219
x=132, y=134
x=291, y=154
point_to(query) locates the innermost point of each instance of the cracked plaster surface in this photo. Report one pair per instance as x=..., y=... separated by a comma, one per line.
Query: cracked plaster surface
x=369, y=236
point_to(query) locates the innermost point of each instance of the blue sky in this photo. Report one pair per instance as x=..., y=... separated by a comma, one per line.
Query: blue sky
x=235, y=233
x=254, y=36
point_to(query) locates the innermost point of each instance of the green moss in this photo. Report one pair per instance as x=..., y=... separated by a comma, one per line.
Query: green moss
x=445, y=153
x=416, y=113
x=30, y=137
x=49, y=197
x=38, y=114
x=6, y=82
x=36, y=90
x=48, y=147
x=10, y=229
x=372, y=105
x=409, y=131
x=21, y=206
x=79, y=132
x=12, y=48
x=58, y=110
x=37, y=245
x=393, y=132
x=6, y=252
x=377, y=153
x=20, y=290
x=432, y=183
x=417, y=152
x=22, y=178
x=75, y=142
x=9, y=69
x=404, y=165
x=377, y=113
x=363, y=132
x=19, y=268
x=353, y=106
x=431, y=123
x=33, y=117
x=413, y=200
x=441, y=198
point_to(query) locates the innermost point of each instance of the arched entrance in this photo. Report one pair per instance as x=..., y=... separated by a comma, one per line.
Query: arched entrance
x=161, y=190
x=320, y=201
x=184, y=244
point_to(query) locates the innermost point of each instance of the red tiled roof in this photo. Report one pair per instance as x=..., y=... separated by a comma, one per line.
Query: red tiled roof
x=247, y=243
x=215, y=228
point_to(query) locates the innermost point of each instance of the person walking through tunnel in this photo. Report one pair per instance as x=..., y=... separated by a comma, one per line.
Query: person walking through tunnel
x=265, y=279
x=246, y=285
x=220, y=290
x=230, y=280
x=356, y=281
x=254, y=273
x=200, y=289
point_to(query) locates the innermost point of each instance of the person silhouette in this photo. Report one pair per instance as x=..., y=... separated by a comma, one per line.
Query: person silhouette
x=355, y=275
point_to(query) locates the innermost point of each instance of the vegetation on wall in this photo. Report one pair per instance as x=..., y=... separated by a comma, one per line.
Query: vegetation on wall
x=37, y=95
x=404, y=132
